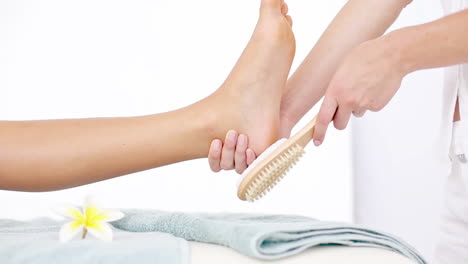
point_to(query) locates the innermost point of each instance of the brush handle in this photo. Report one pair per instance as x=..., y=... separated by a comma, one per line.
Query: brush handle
x=305, y=135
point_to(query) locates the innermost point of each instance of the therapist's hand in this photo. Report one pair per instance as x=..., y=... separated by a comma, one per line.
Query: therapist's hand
x=234, y=154
x=367, y=79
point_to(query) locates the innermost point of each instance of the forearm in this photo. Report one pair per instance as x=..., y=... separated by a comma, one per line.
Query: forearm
x=358, y=21
x=56, y=154
x=440, y=43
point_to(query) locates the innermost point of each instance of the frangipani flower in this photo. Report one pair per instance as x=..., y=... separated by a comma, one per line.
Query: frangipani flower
x=91, y=219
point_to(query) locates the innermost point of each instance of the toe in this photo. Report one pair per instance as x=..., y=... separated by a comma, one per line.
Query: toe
x=284, y=9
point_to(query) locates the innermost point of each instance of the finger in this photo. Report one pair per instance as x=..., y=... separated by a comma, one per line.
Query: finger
x=240, y=160
x=325, y=116
x=359, y=113
x=214, y=156
x=227, y=155
x=341, y=118
x=250, y=156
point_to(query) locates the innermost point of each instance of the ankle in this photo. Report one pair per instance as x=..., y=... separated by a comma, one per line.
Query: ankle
x=289, y=116
x=286, y=125
x=209, y=120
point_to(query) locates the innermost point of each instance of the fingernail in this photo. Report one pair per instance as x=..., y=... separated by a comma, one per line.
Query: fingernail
x=317, y=143
x=242, y=140
x=231, y=136
x=216, y=145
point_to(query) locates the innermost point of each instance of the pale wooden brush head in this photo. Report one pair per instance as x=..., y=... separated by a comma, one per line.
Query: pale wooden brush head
x=273, y=164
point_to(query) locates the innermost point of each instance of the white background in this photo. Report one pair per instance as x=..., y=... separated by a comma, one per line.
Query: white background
x=74, y=59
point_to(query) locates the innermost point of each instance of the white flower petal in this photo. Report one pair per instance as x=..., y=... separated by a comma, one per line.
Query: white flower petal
x=69, y=230
x=110, y=215
x=69, y=211
x=101, y=231
x=90, y=201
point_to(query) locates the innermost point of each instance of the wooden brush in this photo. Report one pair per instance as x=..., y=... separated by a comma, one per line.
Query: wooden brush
x=273, y=164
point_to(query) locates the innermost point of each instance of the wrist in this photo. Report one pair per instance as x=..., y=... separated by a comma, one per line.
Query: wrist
x=397, y=42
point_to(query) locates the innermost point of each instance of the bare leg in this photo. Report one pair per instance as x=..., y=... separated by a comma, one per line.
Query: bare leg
x=56, y=154
x=48, y=155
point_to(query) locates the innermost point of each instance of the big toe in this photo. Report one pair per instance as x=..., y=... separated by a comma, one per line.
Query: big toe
x=284, y=9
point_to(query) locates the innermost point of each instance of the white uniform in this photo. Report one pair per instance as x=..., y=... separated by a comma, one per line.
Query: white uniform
x=452, y=246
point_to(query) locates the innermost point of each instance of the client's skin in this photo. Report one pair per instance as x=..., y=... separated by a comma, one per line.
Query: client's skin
x=56, y=154
x=356, y=70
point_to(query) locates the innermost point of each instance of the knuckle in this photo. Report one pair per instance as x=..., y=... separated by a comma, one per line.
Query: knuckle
x=229, y=146
x=373, y=105
x=240, y=158
x=322, y=120
x=359, y=113
x=337, y=85
x=368, y=107
x=360, y=107
x=350, y=101
x=379, y=107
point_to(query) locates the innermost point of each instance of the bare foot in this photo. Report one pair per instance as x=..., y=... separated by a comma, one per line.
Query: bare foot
x=249, y=99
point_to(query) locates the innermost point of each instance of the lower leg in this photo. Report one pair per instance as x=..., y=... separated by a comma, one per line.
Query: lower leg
x=57, y=154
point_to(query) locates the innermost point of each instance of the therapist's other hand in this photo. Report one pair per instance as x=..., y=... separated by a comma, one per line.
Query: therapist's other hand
x=367, y=79
x=234, y=154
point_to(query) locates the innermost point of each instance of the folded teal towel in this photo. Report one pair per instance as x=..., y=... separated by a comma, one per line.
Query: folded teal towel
x=37, y=242
x=158, y=237
x=262, y=236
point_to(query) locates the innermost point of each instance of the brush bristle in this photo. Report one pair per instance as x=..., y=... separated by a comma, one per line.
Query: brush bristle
x=273, y=173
